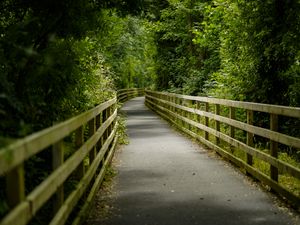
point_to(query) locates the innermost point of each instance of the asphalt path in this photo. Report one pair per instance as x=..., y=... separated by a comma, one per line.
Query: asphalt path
x=164, y=178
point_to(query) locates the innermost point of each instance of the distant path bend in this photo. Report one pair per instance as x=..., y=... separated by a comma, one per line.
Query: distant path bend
x=166, y=179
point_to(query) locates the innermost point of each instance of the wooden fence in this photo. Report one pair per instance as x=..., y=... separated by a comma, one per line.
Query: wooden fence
x=215, y=123
x=89, y=139
x=126, y=94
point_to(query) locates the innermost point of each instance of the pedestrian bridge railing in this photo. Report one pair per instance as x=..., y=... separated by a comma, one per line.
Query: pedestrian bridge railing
x=77, y=153
x=89, y=139
x=247, y=134
x=126, y=94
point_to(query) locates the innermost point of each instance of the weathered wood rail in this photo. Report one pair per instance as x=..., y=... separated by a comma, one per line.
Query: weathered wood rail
x=91, y=139
x=126, y=94
x=200, y=117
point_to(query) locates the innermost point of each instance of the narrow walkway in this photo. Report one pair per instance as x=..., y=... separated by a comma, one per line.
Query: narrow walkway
x=166, y=179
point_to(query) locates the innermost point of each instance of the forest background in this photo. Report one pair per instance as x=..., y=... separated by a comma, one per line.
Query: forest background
x=59, y=58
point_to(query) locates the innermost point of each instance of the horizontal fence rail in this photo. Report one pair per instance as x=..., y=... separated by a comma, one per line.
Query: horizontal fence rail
x=77, y=151
x=234, y=129
x=126, y=94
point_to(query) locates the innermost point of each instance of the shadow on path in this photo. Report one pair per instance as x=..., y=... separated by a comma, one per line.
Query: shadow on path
x=165, y=179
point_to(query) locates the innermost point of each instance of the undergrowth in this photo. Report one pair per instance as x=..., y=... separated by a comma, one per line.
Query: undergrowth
x=122, y=130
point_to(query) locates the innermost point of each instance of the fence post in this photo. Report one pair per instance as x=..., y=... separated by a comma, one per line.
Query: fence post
x=217, y=123
x=173, y=108
x=98, y=124
x=57, y=160
x=249, y=136
x=110, y=111
x=231, y=128
x=192, y=115
x=188, y=114
x=79, y=139
x=102, y=138
x=92, y=130
x=206, y=134
x=165, y=105
x=15, y=186
x=198, y=116
x=168, y=107
x=181, y=112
x=104, y=117
x=184, y=114
x=274, y=146
x=176, y=110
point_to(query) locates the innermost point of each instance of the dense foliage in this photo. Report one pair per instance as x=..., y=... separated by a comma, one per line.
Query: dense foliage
x=54, y=66
x=234, y=49
x=59, y=58
x=244, y=50
x=179, y=67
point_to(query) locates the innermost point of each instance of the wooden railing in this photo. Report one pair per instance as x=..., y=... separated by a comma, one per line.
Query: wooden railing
x=214, y=122
x=73, y=179
x=126, y=94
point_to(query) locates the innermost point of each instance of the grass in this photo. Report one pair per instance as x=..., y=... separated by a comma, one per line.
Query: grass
x=122, y=130
x=103, y=201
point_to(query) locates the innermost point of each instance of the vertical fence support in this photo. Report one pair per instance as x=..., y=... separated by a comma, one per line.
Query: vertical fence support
x=231, y=128
x=173, y=108
x=188, y=114
x=79, y=139
x=57, y=160
x=206, y=134
x=217, y=123
x=102, y=139
x=156, y=103
x=177, y=111
x=168, y=107
x=110, y=112
x=98, y=124
x=274, y=146
x=92, y=130
x=249, y=158
x=198, y=106
x=181, y=112
x=104, y=117
x=15, y=186
x=192, y=116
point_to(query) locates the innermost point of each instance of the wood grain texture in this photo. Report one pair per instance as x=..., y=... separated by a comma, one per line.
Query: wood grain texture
x=275, y=109
x=21, y=150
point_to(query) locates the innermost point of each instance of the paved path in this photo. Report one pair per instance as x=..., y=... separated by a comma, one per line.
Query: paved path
x=166, y=179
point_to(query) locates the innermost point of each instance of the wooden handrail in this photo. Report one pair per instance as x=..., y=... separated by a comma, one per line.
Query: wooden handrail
x=90, y=155
x=21, y=150
x=95, y=139
x=259, y=107
x=126, y=94
x=186, y=113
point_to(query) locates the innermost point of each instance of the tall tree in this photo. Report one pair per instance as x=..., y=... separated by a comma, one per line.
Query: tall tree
x=178, y=58
x=259, y=51
x=50, y=59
